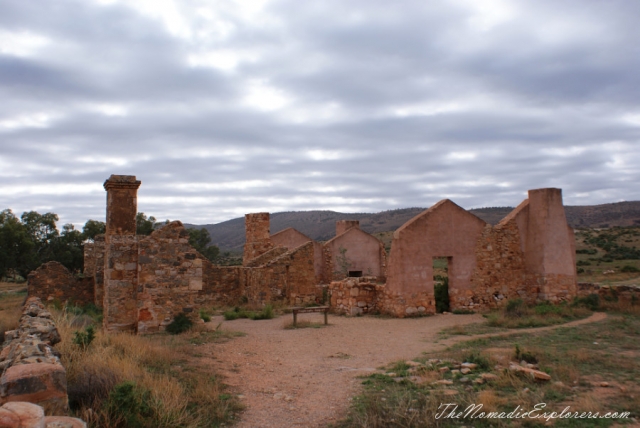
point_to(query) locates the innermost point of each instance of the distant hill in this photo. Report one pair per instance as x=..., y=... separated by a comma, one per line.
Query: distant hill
x=320, y=225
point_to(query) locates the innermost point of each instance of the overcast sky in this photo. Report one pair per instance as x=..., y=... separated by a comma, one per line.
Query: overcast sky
x=222, y=108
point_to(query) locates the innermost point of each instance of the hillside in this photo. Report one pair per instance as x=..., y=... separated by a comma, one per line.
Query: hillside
x=320, y=225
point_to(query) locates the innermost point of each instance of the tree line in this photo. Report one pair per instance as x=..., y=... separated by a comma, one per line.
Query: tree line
x=33, y=238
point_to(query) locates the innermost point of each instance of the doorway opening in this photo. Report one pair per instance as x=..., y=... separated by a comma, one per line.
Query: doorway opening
x=441, y=283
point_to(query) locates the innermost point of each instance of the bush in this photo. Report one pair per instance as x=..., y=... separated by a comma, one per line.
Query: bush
x=130, y=405
x=180, y=324
x=629, y=269
x=476, y=358
x=84, y=338
x=205, y=315
x=592, y=301
x=525, y=356
x=515, y=308
x=265, y=314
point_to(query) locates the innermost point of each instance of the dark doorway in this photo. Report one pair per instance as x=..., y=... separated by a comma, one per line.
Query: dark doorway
x=355, y=273
x=441, y=283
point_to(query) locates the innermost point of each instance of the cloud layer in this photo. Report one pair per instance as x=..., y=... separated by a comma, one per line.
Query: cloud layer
x=224, y=109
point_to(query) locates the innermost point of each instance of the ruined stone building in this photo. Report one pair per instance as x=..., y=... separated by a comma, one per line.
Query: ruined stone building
x=530, y=254
x=143, y=282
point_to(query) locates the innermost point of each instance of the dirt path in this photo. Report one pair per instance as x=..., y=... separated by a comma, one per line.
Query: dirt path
x=306, y=377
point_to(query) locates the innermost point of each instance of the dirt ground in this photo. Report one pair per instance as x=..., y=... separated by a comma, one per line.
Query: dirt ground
x=306, y=377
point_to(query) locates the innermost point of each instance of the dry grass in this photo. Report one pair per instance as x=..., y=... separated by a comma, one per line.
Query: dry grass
x=10, y=310
x=179, y=394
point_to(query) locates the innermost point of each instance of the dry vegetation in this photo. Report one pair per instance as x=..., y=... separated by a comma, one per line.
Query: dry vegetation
x=578, y=359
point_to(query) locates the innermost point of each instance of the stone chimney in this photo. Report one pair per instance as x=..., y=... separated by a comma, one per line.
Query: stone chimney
x=343, y=225
x=122, y=204
x=258, y=240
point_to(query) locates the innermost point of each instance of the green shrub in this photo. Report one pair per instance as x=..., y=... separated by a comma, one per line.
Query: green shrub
x=180, y=324
x=592, y=301
x=525, y=356
x=231, y=315
x=441, y=294
x=515, y=308
x=629, y=269
x=130, y=405
x=265, y=314
x=205, y=315
x=84, y=338
x=545, y=308
x=475, y=357
x=463, y=312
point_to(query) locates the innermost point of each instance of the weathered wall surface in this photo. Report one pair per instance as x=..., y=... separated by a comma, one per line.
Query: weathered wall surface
x=289, y=278
x=291, y=238
x=31, y=368
x=444, y=230
x=355, y=296
x=354, y=250
x=170, y=277
x=98, y=279
x=257, y=240
x=122, y=204
x=343, y=225
x=625, y=294
x=52, y=281
x=550, y=248
x=266, y=257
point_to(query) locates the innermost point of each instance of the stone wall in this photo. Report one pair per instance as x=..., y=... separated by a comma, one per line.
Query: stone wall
x=289, y=278
x=52, y=281
x=98, y=279
x=290, y=238
x=355, y=296
x=31, y=368
x=625, y=294
x=121, y=283
x=266, y=257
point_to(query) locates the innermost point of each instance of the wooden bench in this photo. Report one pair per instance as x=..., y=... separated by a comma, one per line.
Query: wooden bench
x=300, y=310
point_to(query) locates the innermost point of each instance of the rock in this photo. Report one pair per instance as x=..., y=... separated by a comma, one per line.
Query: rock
x=559, y=384
x=442, y=382
x=604, y=384
x=465, y=370
x=479, y=381
x=450, y=392
x=464, y=380
x=29, y=415
x=411, y=310
x=42, y=383
x=488, y=376
x=469, y=365
x=443, y=369
x=391, y=374
x=455, y=371
x=413, y=363
x=63, y=422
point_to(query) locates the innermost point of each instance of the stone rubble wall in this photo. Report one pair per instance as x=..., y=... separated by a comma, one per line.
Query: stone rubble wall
x=289, y=278
x=31, y=368
x=53, y=282
x=266, y=257
x=355, y=296
x=626, y=294
x=98, y=277
x=121, y=283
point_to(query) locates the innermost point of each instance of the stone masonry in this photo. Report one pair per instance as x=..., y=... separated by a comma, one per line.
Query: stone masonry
x=257, y=240
x=53, y=282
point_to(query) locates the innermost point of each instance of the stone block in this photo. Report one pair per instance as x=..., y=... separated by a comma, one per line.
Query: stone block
x=41, y=383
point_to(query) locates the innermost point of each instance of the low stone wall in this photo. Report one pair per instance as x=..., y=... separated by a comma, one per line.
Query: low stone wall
x=623, y=293
x=355, y=296
x=31, y=368
x=52, y=281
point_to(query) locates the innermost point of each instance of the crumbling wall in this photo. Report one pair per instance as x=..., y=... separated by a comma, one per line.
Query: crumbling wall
x=289, y=278
x=624, y=294
x=52, y=281
x=500, y=272
x=31, y=368
x=170, y=277
x=290, y=238
x=266, y=257
x=98, y=278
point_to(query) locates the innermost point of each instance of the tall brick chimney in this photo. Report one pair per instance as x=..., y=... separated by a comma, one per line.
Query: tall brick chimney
x=122, y=204
x=258, y=240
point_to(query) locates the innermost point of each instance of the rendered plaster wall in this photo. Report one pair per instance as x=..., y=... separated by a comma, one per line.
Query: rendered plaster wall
x=550, y=248
x=354, y=250
x=444, y=230
x=291, y=238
